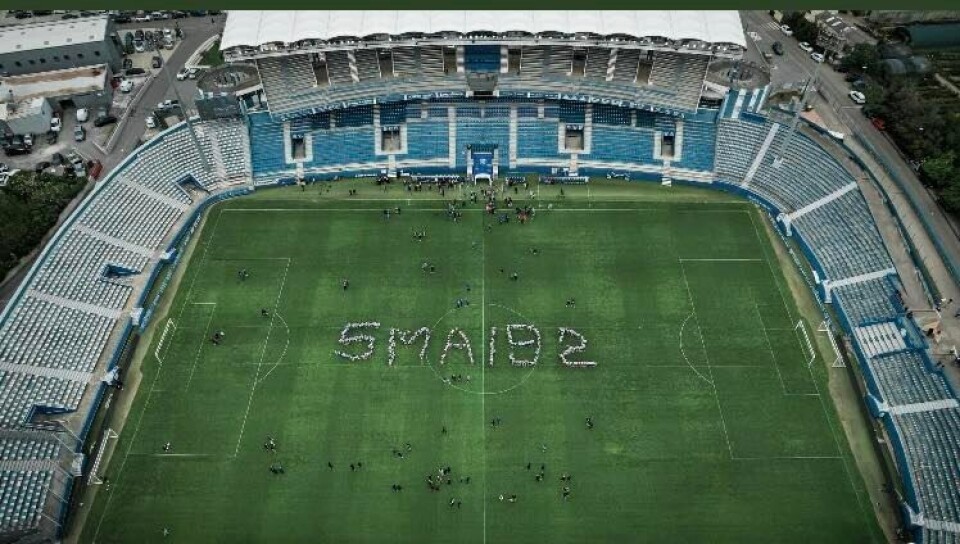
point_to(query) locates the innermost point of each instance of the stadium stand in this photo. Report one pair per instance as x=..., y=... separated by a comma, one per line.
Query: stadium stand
x=56, y=332
x=55, y=335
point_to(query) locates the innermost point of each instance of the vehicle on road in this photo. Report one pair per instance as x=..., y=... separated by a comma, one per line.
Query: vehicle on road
x=786, y=30
x=82, y=115
x=857, y=97
x=817, y=57
x=777, y=48
x=806, y=47
x=182, y=74
x=79, y=134
x=104, y=120
x=168, y=104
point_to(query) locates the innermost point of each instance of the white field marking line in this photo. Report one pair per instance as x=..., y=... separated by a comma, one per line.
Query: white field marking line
x=706, y=357
x=203, y=259
x=202, y=303
x=483, y=364
x=689, y=364
x=133, y=440
x=823, y=407
x=263, y=351
x=773, y=355
x=763, y=249
x=733, y=260
x=203, y=339
x=188, y=455
x=282, y=354
x=475, y=210
x=786, y=457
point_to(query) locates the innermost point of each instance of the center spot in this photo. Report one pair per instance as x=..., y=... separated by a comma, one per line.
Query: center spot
x=476, y=321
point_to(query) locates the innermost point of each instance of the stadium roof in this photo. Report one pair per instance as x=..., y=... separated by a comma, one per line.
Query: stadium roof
x=32, y=36
x=257, y=28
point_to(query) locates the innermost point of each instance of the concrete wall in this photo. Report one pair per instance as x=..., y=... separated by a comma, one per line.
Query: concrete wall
x=60, y=58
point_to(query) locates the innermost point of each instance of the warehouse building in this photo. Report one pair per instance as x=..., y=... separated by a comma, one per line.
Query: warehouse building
x=59, y=45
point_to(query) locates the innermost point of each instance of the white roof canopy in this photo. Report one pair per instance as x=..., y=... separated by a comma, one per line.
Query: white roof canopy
x=257, y=28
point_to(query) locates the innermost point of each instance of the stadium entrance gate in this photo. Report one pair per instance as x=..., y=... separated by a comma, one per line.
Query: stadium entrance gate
x=482, y=164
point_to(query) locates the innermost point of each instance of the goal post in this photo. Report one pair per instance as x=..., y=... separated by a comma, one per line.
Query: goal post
x=806, y=340
x=828, y=330
x=163, y=337
x=93, y=477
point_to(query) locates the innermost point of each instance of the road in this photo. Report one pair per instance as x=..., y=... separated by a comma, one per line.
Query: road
x=196, y=31
x=833, y=104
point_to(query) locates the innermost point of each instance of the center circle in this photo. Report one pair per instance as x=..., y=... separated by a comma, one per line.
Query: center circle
x=476, y=378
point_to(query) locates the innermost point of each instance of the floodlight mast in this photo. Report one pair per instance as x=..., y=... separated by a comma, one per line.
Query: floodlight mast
x=779, y=158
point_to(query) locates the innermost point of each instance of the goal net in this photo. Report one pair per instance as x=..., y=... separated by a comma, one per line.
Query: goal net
x=801, y=332
x=93, y=477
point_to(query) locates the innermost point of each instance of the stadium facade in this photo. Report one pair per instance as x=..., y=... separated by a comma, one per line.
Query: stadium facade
x=481, y=95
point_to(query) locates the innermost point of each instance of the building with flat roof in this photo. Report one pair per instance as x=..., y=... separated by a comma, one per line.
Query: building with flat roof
x=58, y=45
x=85, y=87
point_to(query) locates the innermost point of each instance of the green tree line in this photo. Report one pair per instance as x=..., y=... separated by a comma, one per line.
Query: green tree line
x=29, y=207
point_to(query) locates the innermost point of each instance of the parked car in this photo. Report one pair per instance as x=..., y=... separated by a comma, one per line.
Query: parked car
x=95, y=169
x=168, y=104
x=139, y=47
x=786, y=30
x=70, y=16
x=135, y=71
x=857, y=97
x=151, y=121
x=104, y=120
x=157, y=61
x=82, y=115
x=127, y=63
x=168, y=33
x=41, y=166
x=52, y=137
x=777, y=48
x=817, y=57
x=17, y=150
x=79, y=134
x=28, y=139
x=121, y=19
x=806, y=47
x=138, y=34
x=182, y=74
x=55, y=124
x=178, y=14
x=141, y=18
x=859, y=84
x=57, y=159
x=126, y=85
x=192, y=73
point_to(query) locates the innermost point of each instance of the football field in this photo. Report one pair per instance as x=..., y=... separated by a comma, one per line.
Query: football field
x=709, y=418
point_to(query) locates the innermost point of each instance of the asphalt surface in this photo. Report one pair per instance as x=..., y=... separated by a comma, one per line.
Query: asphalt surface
x=831, y=100
x=196, y=31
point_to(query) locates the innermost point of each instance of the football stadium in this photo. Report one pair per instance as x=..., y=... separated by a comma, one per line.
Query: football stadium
x=469, y=276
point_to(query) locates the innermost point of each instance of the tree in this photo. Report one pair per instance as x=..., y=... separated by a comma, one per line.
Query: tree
x=940, y=171
x=950, y=198
x=862, y=58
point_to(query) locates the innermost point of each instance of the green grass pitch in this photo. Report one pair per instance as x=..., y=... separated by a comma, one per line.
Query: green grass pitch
x=709, y=424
